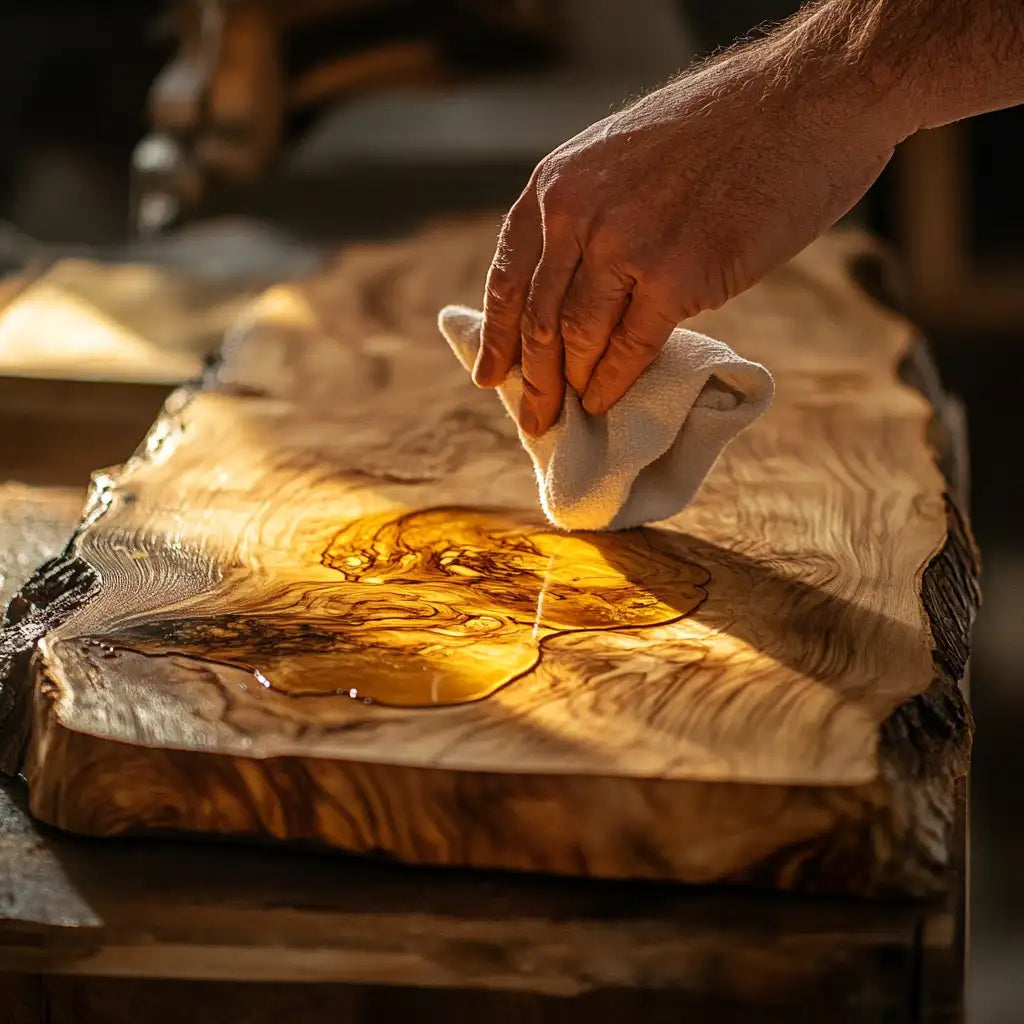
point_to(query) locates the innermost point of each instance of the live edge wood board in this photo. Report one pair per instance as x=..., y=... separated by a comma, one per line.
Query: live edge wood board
x=319, y=605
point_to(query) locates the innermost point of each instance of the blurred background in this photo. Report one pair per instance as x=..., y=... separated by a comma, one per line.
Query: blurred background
x=226, y=144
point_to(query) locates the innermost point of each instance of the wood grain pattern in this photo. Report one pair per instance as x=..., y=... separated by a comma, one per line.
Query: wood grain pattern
x=429, y=608
x=82, y=911
x=227, y=912
x=737, y=738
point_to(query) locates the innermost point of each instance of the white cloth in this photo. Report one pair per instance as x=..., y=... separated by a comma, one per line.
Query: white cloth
x=645, y=459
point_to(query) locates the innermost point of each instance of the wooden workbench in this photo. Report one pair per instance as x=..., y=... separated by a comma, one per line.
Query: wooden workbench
x=75, y=913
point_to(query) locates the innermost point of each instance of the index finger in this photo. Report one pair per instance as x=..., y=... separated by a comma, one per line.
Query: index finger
x=633, y=346
x=508, y=286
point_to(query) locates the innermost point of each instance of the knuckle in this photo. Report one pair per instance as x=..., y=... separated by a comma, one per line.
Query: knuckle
x=559, y=194
x=522, y=212
x=711, y=286
x=537, y=353
x=548, y=174
x=532, y=389
x=715, y=300
x=636, y=343
x=578, y=331
x=502, y=289
x=722, y=274
x=726, y=282
x=538, y=328
x=525, y=204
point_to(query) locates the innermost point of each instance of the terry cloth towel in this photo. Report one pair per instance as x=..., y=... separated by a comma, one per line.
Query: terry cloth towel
x=645, y=459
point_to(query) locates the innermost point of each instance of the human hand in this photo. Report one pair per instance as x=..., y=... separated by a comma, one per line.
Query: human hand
x=673, y=206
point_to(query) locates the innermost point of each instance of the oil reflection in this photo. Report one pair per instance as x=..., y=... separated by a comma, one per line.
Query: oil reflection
x=436, y=607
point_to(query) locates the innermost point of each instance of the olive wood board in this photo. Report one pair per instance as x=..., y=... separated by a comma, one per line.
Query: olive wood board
x=319, y=604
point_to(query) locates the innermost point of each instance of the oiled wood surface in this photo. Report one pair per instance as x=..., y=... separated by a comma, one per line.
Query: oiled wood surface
x=429, y=608
x=340, y=506
x=73, y=907
x=815, y=528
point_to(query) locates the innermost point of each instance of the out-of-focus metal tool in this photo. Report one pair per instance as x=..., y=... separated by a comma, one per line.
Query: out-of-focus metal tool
x=215, y=110
x=246, y=70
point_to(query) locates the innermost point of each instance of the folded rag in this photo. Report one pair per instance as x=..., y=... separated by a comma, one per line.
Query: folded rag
x=645, y=459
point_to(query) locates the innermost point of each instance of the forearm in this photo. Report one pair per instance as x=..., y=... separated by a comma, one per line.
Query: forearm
x=697, y=190
x=927, y=62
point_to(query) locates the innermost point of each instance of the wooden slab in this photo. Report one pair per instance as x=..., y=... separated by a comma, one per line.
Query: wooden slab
x=725, y=696
x=85, y=911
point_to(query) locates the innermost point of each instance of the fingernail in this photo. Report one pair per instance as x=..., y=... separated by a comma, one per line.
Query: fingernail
x=592, y=403
x=528, y=420
x=574, y=380
x=484, y=368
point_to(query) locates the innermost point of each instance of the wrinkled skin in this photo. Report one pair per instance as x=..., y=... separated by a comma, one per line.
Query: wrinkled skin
x=667, y=208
